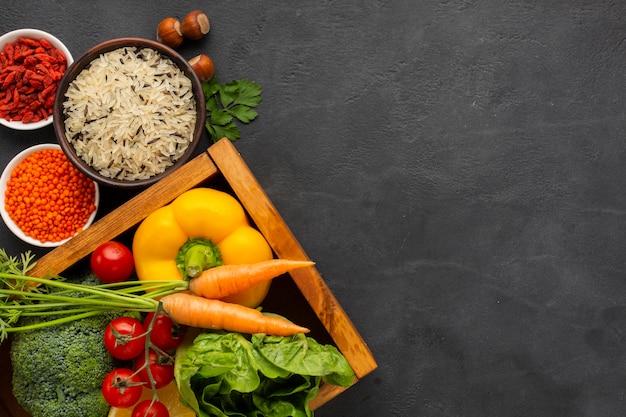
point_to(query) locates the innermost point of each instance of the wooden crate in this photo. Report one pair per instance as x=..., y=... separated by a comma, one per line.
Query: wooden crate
x=311, y=303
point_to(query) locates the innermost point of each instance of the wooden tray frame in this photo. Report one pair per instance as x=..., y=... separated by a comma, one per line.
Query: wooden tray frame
x=220, y=159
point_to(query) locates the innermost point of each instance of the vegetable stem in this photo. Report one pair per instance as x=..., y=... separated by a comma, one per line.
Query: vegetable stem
x=196, y=255
x=53, y=322
x=22, y=295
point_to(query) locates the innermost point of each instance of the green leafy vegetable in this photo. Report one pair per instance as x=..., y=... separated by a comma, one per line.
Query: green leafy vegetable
x=226, y=374
x=226, y=103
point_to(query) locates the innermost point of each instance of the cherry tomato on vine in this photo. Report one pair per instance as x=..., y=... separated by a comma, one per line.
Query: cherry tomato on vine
x=161, y=367
x=124, y=338
x=165, y=334
x=121, y=388
x=112, y=262
x=148, y=408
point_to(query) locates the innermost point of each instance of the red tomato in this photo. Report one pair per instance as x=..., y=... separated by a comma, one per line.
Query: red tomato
x=121, y=388
x=147, y=408
x=112, y=262
x=165, y=334
x=124, y=338
x=162, y=369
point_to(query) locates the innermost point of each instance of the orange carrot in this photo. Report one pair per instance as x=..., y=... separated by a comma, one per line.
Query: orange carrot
x=225, y=280
x=195, y=311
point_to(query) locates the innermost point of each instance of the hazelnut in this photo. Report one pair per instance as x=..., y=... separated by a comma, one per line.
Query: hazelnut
x=203, y=67
x=169, y=32
x=195, y=25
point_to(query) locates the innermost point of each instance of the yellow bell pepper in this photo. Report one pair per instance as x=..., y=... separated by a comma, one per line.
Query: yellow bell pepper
x=207, y=214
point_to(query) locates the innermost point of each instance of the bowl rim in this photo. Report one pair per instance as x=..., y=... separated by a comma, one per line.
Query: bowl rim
x=8, y=221
x=12, y=36
x=82, y=62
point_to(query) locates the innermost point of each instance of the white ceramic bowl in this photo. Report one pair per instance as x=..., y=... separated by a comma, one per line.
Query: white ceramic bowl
x=12, y=37
x=3, y=186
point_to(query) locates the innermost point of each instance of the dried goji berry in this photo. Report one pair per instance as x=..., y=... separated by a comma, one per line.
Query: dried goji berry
x=32, y=43
x=37, y=84
x=28, y=117
x=48, y=81
x=42, y=68
x=9, y=49
x=49, y=102
x=44, y=57
x=30, y=60
x=30, y=71
x=9, y=79
x=60, y=56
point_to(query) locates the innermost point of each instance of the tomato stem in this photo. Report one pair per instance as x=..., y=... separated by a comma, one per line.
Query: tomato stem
x=147, y=348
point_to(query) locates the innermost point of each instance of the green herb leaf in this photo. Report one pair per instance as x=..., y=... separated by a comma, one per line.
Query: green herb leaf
x=210, y=88
x=230, y=131
x=228, y=94
x=211, y=105
x=249, y=93
x=228, y=103
x=220, y=117
x=244, y=114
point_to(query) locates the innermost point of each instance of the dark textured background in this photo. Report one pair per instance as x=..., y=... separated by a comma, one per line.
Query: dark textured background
x=454, y=167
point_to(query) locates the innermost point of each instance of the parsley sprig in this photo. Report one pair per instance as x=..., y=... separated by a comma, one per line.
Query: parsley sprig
x=226, y=103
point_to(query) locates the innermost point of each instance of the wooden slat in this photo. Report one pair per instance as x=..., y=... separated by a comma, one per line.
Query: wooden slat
x=325, y=394
x=283, y=242
x=126, y=216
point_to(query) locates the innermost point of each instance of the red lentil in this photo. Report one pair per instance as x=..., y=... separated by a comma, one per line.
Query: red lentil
x=30, y=71
x=48, y=198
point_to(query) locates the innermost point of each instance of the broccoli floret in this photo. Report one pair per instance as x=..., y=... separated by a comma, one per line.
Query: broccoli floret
x=80, y=407
x=86, y=278
x=58, y=370
x=58, y=367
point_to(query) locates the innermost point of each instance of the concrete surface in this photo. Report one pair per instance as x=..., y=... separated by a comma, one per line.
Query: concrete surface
x=454, y=167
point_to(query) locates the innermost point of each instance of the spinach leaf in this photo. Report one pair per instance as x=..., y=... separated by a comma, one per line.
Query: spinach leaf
x=230, y=375
x=303, y=355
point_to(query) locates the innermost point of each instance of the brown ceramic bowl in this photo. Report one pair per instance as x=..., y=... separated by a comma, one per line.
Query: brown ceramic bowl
x=93, y=133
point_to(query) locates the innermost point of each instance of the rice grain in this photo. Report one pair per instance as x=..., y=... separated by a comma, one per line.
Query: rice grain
x=130, y=114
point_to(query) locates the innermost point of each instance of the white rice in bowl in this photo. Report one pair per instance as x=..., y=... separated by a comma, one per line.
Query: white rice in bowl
x=130, y=114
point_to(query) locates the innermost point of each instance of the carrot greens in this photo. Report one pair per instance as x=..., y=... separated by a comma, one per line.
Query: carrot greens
x=23, y=295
